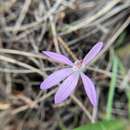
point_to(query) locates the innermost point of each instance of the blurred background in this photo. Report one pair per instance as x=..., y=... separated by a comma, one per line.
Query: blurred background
x=69, y=27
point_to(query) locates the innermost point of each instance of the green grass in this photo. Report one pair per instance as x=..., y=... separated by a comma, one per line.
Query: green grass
x=112, y=88
x=105, y=125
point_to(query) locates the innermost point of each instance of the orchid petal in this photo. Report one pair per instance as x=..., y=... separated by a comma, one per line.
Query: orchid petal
x=58, y=57
x=67, y=87
x=92, y=53
x=90, y=89
x=55, y=78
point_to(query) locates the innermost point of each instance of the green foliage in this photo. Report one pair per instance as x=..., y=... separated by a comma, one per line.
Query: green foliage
x=128, y=97
x=112, y=88
x=104, y=125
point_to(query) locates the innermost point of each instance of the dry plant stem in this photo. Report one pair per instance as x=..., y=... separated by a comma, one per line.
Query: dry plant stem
x=37, y=23
x=54, y=34
x=74, y=41
x=78, y=102
x=62, y=104
x=23, y=53
x=26, y=100
x=11, y=60
x=40, y=63
x=22, y=15
x=23, y=34
x=87, y=21
x=53, y=28
x=24, y=71
x=6, y=5
x=67, y=48
x=8, y=83
x=106, y=73
x=16, y=71
x=111, y=13
x=25, y=107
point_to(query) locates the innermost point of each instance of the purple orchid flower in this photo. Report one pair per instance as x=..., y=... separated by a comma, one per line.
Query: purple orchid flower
x=71, y=76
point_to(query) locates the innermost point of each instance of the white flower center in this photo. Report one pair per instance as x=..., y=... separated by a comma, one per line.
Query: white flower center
x=77, y=65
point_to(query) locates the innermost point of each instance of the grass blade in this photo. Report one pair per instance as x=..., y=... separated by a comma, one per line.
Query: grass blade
x=112, y=88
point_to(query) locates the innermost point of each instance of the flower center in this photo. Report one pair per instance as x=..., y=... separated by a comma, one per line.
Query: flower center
x=77, y=65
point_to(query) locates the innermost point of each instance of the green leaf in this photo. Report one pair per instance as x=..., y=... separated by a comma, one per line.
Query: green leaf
x=112, y=88
x=128, y=97
x=105, y=125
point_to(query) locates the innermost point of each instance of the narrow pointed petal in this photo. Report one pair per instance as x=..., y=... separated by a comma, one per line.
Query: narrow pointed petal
x=92, y=53
x=67, y=88
x=58, y=57
x=89, y=89
x=55, y=78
